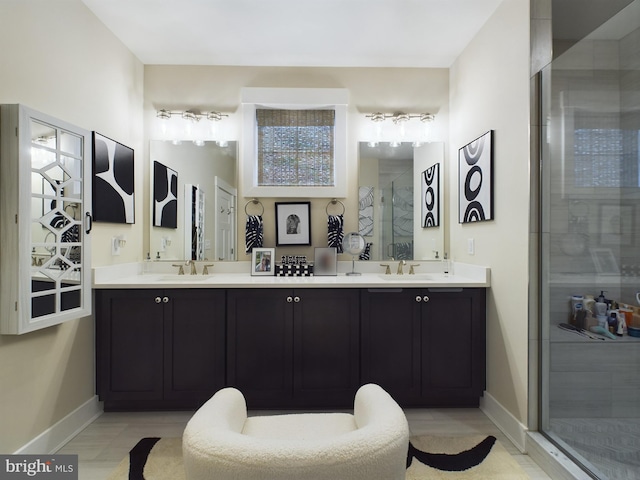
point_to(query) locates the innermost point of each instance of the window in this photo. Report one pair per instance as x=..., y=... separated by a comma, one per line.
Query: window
x=295, y=147
x=605, y=155
x=294, y=142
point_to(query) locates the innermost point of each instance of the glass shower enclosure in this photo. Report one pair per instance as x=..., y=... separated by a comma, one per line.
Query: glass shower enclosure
x=590, y=249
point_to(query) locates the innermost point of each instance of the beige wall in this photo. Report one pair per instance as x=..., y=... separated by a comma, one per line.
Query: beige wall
x=489, y=90
x=64, y=62
x=58, y=59
x=412, y=90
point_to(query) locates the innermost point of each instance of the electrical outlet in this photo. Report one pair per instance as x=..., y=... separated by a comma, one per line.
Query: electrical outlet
x=471, y=246
x=116, y=245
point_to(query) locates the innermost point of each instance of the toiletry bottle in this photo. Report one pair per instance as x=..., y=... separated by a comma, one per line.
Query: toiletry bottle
x=622, y=326
x=613, y=322
x=446, y=263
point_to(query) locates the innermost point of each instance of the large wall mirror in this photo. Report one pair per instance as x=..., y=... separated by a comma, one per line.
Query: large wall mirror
x=193, y=212
x=390, y=182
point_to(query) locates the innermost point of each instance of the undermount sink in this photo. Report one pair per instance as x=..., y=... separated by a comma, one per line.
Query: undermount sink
x=418, y=277
x=182, y=278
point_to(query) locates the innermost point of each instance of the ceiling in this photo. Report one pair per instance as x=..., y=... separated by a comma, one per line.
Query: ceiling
x=310, y=33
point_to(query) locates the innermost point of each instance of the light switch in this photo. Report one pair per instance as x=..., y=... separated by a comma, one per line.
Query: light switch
x=471, y=246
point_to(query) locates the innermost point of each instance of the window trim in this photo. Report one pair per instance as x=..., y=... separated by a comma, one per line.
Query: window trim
x=292, y=98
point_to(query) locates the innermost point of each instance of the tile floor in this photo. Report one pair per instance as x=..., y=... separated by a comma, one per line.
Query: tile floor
x=104, y=443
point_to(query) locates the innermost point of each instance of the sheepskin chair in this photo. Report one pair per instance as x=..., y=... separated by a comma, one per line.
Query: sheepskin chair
x=221, y=443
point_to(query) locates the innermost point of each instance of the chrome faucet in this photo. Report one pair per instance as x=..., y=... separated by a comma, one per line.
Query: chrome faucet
x=193, y=267
x=400, y=264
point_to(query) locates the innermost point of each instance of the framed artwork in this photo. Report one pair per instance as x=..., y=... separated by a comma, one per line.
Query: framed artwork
x=616, y=225
x=325, y=261
x=113, y=181
x=604, y=261
x=431, y=196
x=293, y=223
x=365, y=211
x=165, y=196
x=475, y=180
x=262, y=261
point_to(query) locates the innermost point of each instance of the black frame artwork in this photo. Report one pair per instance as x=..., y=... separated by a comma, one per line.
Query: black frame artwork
x=475, y=180
x=165, y=196
x=113, y=181
x=430, y=180
x=293, y=223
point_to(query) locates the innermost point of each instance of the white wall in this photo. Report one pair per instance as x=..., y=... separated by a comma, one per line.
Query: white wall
x=58, y=59
x=489, y=90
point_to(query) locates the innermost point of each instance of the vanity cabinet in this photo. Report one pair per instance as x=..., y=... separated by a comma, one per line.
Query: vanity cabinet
x=425, y=346
x=45, y=220
x=294, y=347
x=159, y=349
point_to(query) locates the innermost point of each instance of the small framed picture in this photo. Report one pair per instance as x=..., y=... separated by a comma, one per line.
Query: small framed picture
x=262, y=261
x=325, y=261
x=293, y=223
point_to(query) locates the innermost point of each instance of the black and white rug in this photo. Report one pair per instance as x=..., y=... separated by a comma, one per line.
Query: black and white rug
x=429, y=457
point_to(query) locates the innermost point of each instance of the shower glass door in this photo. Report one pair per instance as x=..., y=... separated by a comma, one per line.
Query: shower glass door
x=590, y=389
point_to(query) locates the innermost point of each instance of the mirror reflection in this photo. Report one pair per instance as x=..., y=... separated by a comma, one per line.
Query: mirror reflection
x=390, y=200
x=193, y=201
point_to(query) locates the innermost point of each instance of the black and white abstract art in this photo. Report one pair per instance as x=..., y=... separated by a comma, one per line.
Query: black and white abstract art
x=431, y=196
x=165, y=196
x=475, y=175
x=365, y=211
x=113, y=181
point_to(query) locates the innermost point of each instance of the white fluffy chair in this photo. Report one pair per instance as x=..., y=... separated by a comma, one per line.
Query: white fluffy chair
x=221, y=443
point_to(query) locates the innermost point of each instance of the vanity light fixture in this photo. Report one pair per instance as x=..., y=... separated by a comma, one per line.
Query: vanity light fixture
x=402, y=128
x=190, y=115
x=187, y=125
x=400, y=117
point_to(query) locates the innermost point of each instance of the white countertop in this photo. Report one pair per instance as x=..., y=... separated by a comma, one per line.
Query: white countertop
x=237, y=275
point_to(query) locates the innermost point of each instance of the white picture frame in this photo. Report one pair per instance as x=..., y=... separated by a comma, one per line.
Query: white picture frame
x=263, y=261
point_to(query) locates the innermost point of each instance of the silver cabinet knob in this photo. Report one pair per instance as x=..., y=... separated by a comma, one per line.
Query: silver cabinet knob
x=289, y=299
x=158, y=299
x=425, y=299
x=296, y=299
x=418, y=298
x=165, y=299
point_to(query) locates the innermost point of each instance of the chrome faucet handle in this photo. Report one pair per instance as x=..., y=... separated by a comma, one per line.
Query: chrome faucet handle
x=411, y=270
x=180, y=270
x=400, y=264
x=205, y=270
x=387, y=270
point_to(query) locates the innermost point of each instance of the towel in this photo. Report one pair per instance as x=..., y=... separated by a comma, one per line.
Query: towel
x=253, y=233
x=366, y=253
x=335, y=232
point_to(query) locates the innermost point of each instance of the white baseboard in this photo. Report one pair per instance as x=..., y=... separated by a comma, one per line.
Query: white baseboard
x=542, y=451
x=505, y=421
x=56, y=436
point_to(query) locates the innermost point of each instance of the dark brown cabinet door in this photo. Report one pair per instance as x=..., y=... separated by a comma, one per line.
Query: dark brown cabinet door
x=129, y=345
x=390, y=333
x=293, y=348
x=159, y=348
x=453, y=346
x=326, y=347
x=259, y=345
x=194, y=355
